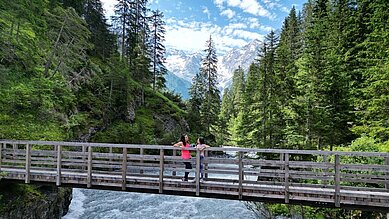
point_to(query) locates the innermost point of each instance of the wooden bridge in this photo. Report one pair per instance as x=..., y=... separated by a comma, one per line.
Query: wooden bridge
x=353, y=180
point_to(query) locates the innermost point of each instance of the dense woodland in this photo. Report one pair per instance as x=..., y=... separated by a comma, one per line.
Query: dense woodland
x=319, y=83
x=66, y=74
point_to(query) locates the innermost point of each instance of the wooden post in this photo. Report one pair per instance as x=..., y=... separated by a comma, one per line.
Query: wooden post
x=197, y=172
x=1, y=153
x=83, y=157
x=14, y=148
x=286, y=180
x=174, y=162
x=206, y=164
x=59, y=164
x=282, y=159
x=337, y=180
x=387, y=174
x=89, y=177
x=141, y=159
x=161, y=169
x=124, y=169
x=325, y=169
x=110, y=158
x=28, y=163
x=240, y=175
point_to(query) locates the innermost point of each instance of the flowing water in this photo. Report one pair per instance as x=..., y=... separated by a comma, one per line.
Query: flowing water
x=102, y=204
x=89, y=203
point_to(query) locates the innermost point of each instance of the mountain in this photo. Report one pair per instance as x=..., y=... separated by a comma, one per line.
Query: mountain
x=178, y=85
x=185, y=65
x=242, y=57
x=182, y=64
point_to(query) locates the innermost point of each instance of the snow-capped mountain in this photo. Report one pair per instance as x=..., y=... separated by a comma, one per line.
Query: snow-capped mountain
x=242, y=57
x=183, y=65
x=186, y=65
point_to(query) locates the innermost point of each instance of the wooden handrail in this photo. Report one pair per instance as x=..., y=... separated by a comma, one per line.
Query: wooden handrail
x=224, y=148
x=278, y=177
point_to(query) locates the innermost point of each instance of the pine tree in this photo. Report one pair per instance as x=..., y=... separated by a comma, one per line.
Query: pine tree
x=247, y=116
x=288, y=52
x=373, y=105
x=195, y=102
x=121, y=21
x=210, y=108
x=68, y=36
x=223, y=136
x=104, y=42
x=158, y=50
x=236, y=104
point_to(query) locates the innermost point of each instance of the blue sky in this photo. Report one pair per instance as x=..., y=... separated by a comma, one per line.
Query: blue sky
x=232, y=23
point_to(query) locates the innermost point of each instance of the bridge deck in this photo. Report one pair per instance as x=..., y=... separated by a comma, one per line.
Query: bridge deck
x=331, y=179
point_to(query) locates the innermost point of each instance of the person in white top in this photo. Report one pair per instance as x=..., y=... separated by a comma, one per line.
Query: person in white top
x=201, y=146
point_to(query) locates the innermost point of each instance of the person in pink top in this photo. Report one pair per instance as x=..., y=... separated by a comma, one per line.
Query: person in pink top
x=185, y=154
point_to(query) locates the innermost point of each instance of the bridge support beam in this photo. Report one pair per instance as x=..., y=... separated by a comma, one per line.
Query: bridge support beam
x=89, y=177
x=161, y=169
x=240, y=175
x=59, y=164
x=142, y=152
x=337, y=181
x=286, y=179
x=124, y=169
x=1, y=153
x=206, y=165
x=198, y=172
x=28, y=163
x=387, y=174
x=174, y=163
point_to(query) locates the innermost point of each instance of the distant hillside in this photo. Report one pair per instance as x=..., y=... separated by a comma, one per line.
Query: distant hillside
x=183, y=66
x=178, y=85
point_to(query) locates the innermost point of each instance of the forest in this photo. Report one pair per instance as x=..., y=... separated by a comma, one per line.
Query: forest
x=319, y=83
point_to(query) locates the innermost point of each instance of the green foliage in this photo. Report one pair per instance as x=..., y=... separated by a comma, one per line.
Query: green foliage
x=13, y=195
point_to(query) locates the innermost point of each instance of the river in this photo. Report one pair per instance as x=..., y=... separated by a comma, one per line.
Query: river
x=89, y=203
x=103, y=204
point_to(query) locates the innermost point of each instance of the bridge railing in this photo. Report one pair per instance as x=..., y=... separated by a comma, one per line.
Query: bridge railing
x=290, y=175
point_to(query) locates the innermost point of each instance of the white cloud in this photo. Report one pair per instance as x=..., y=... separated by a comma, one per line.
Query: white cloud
x=247, y=35
x=108, y=6
x=228, y=13
x=191, y=36
x=272, y=5
x=254, y=24
x=207, y=12
x=249, y=6
x=218, y=2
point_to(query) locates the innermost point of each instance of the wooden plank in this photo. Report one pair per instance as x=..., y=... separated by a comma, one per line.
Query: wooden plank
x=28, y=163
x=286, y=179
x=197, y=172
x=59, y=164
x=161, y=170
x=89, y=176
x=387, y=174
x=240, y=174
x=124, y=169
x=337, y=181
